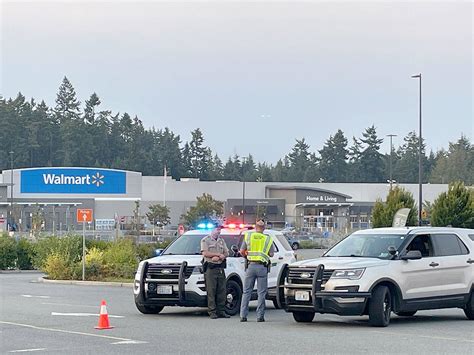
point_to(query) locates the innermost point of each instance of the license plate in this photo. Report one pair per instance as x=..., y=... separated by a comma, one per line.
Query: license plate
x=164, y=289
x=302, y=296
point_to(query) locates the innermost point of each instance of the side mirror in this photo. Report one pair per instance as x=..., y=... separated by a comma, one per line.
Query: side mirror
x=412, y=255
x=392, y=250
x=158, y=252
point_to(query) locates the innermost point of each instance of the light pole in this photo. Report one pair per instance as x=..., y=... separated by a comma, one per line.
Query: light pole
x=11, y=190
x=420, y=194
x=390, y=160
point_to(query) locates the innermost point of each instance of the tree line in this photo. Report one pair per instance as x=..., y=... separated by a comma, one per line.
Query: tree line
x=72, y=134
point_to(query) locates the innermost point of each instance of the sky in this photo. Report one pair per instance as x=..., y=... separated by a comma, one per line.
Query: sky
x=254, y=76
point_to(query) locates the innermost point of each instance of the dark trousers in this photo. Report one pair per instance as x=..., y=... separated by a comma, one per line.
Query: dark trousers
x=216, y=290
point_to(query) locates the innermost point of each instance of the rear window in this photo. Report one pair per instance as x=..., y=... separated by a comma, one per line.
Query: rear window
x=471, y=236
x=449, y=244
x=281, y=238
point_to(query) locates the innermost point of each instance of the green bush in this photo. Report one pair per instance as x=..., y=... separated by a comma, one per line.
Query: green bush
x=69, y=247
x=57, y=268
x=454, y=207
x=121, y=259
x=25, y=254
x=99, y=244
x=7, y=252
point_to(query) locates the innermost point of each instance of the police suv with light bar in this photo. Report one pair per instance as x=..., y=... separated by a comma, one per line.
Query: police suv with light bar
x=374, y=272
x=175, y=277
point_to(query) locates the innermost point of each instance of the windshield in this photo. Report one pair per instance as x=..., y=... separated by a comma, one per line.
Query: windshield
x=190, y=244
x=367, y=245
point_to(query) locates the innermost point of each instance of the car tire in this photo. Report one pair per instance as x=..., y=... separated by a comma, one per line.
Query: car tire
x=469, y=307
x=233, y=298
x=405, y=314
x=295, y=246
x=149, y=309
x=380, y=307
x=303, y=317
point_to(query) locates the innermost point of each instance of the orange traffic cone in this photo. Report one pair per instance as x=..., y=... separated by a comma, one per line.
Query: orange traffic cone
x=103, y=317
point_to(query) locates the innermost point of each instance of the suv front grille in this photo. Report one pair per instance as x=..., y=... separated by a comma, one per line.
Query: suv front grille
x=295, y=275
x=166, y=271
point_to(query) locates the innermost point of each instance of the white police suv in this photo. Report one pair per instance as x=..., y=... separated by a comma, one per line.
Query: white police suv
x=380, y=271
x=175, y=277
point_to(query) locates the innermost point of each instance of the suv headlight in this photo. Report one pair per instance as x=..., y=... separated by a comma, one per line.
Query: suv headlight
x=350, y=274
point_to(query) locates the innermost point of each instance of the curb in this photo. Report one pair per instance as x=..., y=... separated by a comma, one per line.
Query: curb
x=20, y=272
x=86, y=283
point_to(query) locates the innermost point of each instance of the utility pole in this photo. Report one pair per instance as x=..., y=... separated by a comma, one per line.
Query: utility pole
x=390, y=160
x=420, y=173
x=12, y=218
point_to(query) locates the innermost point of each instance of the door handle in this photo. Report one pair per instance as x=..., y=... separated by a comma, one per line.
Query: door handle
x=433, y=264
x=470, y=261
x=281, y=258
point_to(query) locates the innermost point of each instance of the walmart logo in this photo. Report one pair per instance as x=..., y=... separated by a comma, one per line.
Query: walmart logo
x=62, y=179
x=97, y=179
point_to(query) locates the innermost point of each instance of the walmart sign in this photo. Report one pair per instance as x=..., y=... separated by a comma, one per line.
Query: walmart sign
x=73, y=181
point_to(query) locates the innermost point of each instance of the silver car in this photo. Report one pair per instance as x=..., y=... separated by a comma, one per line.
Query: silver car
x=379, y=271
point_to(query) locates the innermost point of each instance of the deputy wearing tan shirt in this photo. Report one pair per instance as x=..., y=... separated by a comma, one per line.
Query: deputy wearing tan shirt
x=215, y=251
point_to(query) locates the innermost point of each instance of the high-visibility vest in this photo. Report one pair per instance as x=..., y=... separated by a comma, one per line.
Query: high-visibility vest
x=258, y=247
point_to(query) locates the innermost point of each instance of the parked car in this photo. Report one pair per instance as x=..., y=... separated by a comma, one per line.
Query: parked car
x=376, y=272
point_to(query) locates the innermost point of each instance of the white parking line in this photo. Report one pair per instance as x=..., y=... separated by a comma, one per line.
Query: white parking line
x=83, y=315
x=68, y=304
x=411, y=336
x=32, y=296
x=120, y=340
x=26, y=350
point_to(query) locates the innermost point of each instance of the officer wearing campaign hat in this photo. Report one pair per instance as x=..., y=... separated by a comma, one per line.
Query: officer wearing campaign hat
x=214, y=252
x=258, y=248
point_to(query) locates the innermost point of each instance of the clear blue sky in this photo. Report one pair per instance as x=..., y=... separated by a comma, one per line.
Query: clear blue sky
x=234, y=69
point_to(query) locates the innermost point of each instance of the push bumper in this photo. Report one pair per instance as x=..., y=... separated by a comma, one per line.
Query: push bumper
x=337, y=302
x=178, y=297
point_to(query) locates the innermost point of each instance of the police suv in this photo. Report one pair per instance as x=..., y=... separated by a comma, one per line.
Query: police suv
x=379, y=271
x=175, y=277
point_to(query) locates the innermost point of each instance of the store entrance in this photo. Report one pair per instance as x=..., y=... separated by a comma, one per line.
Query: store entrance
x=318, y=219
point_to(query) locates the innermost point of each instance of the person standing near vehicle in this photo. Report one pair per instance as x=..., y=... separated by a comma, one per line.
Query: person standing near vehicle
x=215, y=251
x=258, y=248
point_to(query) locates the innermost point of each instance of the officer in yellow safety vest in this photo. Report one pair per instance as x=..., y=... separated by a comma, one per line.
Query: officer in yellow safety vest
x=257, y=248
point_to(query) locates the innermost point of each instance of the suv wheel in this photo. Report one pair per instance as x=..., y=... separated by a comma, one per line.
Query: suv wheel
x=149, y=309
x=469, y=308
x=405, y=314
x=380, y=307
x=234, y=298
x=303, y=317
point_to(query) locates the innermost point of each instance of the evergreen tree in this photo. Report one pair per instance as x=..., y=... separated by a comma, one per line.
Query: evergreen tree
x=406, y=167
x=354, y=166
x=454, y=208
x=249, y=169
x=298, y=160
x=67, y=113
x=455, y=164
x=383, y=212
x=333, y=161
x=371, y=162
x=264, y=172
x=199, y=155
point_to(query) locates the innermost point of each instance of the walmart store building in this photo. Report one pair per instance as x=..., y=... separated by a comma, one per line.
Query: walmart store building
x=59, y=192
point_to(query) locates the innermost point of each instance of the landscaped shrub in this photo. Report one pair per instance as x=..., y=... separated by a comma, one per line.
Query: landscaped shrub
x=69, y=247
x=57, y=268
x=121, y=259
x=7, y=252
x=25, y=253
x=94, y=263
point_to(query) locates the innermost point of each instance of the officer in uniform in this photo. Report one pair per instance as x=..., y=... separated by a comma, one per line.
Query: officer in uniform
x=258, y=248
x=215, y=251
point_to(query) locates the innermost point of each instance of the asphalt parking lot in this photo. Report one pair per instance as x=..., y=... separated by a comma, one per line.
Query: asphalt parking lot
x=57, y=318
